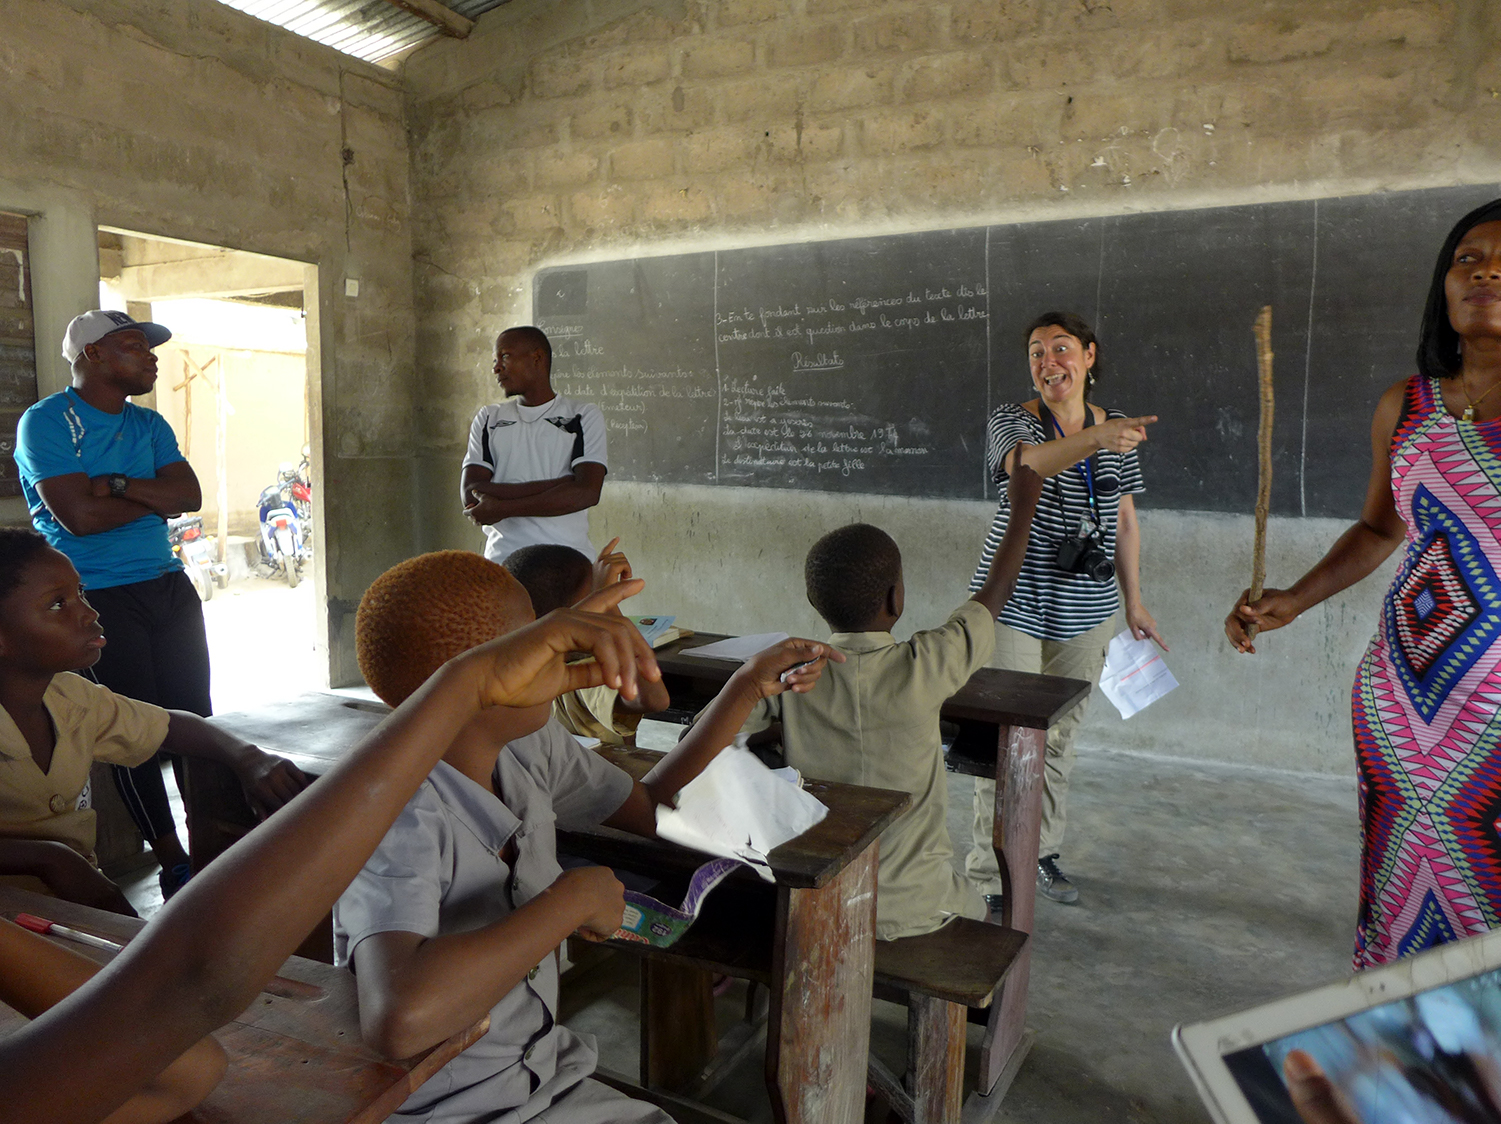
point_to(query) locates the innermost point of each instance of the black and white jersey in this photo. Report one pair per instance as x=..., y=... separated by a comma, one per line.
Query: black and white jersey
x=519, y=444
x=1048, y=603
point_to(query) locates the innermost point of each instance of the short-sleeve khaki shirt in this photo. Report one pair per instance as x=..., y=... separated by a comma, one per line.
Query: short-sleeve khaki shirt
x=873, y=720
x=92, y=724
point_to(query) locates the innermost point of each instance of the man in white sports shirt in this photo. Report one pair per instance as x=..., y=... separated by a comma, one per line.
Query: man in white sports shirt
x=536, y=462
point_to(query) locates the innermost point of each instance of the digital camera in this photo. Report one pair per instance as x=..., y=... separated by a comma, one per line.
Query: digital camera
x=1082, y=554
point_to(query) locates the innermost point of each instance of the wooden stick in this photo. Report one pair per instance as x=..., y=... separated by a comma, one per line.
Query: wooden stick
x=1264, y=457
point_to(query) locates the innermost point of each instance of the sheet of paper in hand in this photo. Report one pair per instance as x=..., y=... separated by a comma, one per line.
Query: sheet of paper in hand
x=1134, y=676
x=648, y=921
x=739, y=809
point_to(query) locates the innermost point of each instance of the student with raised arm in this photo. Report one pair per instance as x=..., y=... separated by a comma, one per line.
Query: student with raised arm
x=207, y=954
x=874, y=720
x=555, y=575
x=459, y=911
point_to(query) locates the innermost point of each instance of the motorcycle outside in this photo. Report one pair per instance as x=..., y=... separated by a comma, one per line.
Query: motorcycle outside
x=196, y=553
x=281, y=540
x=297, y=492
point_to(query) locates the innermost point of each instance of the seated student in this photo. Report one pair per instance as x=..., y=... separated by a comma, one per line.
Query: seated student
x=123, y=1039
x=54, y=725
x=460, y=909
x=553, y=576
x=874, y=721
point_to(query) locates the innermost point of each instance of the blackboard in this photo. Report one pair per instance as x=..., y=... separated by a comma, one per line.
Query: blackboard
x=872, y=364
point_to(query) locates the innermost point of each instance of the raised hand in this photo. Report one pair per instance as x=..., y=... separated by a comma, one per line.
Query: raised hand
x=1023, y=488
x=1275, y=608
x=611, y=566
x=528, y=666
x=793, y=665
x=1121, y=435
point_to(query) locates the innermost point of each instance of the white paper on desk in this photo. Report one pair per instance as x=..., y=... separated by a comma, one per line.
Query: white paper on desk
x=1134, y=675
x=740, y=809
x=737, y=647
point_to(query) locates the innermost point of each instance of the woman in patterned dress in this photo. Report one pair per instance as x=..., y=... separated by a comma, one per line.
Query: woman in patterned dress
x=1427, y=699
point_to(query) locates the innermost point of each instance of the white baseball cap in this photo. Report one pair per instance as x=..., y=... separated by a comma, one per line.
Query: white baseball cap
x=93, y=326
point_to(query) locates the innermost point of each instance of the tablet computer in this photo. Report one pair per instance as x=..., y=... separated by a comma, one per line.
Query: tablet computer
x=1415, y=1042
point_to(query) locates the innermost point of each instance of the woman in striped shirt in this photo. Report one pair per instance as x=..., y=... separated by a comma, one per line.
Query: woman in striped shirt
x=1061, y=617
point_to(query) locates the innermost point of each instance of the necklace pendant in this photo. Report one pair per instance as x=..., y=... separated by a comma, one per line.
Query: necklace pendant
x=1468, y=415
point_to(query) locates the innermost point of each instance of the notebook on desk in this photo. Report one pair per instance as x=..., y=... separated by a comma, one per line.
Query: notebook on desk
x=1415, y=1042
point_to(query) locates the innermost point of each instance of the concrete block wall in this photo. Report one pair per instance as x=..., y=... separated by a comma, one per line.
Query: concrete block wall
x=193, y=121
x=598, y=129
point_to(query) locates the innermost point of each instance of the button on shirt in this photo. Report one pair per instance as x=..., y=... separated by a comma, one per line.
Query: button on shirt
x=92, y=724
x=873, y=720
x=439, y=870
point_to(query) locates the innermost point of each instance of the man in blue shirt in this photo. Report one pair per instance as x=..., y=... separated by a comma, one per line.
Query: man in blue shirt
x=101, y=476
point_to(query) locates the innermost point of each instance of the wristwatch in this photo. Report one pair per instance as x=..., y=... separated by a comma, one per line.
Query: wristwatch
x=118, y=482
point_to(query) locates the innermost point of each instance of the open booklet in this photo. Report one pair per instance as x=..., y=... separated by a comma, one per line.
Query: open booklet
x=736, y=808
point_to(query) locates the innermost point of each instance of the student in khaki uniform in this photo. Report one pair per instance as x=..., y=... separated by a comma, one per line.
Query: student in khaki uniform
x=54, y=725
x=554, y=577
x=874, y=718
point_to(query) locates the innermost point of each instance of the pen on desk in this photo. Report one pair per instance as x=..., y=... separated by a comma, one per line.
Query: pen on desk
x=42, y=925
x=277, y=985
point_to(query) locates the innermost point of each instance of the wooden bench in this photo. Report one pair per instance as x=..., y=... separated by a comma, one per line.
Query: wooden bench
x=940, y=977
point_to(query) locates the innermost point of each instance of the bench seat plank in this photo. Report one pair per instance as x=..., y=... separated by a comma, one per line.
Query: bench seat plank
x=964, y=962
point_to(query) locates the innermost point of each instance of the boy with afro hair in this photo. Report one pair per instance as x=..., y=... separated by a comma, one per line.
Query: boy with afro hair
x=874, y=719
x=459, y=910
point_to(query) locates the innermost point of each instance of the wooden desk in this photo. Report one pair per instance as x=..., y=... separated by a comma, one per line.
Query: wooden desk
x=1003, y=718
x=294, y=1054
x=313, y=730
x=810, y=938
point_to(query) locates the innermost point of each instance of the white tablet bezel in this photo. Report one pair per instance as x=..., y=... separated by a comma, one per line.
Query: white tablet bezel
x=1203, y=1046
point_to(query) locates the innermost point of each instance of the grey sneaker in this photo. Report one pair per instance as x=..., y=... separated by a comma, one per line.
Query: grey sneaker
x=1052, y=883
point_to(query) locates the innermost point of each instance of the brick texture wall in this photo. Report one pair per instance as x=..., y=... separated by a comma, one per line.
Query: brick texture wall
x=590, y=128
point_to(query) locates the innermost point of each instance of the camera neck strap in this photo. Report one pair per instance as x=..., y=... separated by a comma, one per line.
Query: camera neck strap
x=1085, y=467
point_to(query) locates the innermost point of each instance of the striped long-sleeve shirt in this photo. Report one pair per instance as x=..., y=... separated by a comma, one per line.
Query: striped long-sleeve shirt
x=1049, y=603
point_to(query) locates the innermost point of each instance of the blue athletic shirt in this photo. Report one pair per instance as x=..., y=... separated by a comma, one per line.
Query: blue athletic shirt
x=63, y=434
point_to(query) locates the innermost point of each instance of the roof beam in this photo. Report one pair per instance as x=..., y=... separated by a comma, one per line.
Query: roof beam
x=444, y=18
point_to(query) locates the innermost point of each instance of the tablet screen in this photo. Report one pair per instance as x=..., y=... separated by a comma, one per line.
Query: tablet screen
x=1431, y=1058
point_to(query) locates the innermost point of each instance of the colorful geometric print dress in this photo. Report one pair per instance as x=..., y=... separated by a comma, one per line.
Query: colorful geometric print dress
x=1427, y=700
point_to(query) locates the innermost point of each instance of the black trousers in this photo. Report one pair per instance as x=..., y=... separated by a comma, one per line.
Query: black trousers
x=155, y=650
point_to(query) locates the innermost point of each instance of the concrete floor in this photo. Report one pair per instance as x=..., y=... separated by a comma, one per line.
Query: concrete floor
x=1202, y=889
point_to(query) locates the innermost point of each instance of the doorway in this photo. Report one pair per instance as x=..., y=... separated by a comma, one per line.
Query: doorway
x=233, y=385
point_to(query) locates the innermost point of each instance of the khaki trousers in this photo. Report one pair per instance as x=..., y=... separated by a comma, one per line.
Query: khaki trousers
x=1079, y=658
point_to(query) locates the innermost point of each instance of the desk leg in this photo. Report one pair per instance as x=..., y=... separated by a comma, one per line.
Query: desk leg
x=823, y=967
x=218, y=816
x=678, y=1035
x=1018, y=817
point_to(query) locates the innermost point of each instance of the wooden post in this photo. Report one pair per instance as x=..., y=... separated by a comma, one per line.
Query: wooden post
x=221, y=460
x=822, y=972
x=678, y=1035
x=1018, y=818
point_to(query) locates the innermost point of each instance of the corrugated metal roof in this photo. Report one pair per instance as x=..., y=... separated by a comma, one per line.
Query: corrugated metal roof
x=367, y=29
